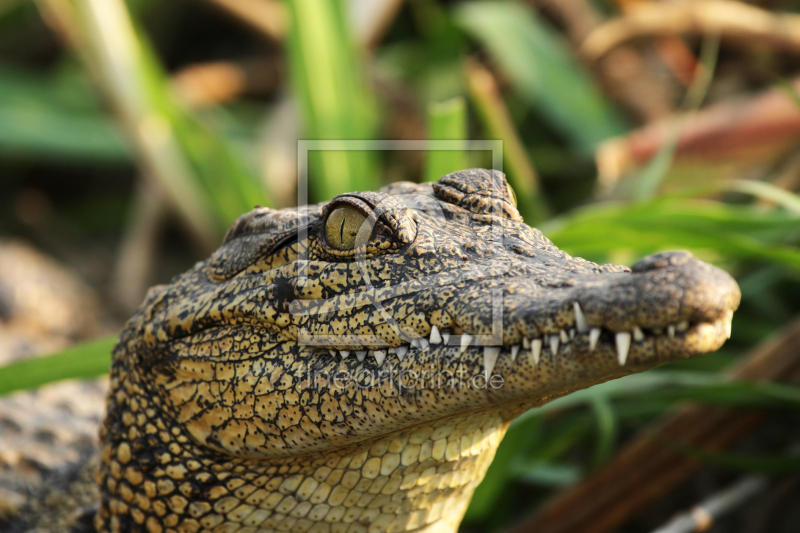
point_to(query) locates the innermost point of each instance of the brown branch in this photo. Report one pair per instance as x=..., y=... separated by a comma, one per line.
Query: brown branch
x=646, y=469
x=726, y=17
x=758, y=127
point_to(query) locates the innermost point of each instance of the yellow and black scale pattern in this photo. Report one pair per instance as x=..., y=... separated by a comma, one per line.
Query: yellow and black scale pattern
x=353, y=366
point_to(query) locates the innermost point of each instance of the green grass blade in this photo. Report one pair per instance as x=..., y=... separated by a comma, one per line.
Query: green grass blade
x=496, y=119
x=446, y=121
x=201, y=172
x=500, y=471
x=542, y=69
x=336, y=104
x=739, y=462
x=651, y=177
x=606, y=429
x=86, y=360
x=56, y=117
x=733, y=231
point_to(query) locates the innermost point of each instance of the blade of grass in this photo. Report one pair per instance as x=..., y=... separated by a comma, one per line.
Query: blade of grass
x=56, y=117
x=335, y=101
x=86, y=360
x=606, y=430
x=202, y=174
x=500, y=471
x=739, y=462
x=651, y=177
x=542, y=69
x=446, y=121
x=733, y=231
x=496, y=119
x=700, y=386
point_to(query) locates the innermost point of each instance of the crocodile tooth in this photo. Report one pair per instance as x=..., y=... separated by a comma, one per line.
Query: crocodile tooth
x=580, y=319
x=401, y=351
x=526, y=343
x=727, y=323
x=594, y=336
x=554, y=344
x=446, y=336
x=380, y=355
x=682, y=326
x=572, y=334
x=466, y=340
x=424, y=344
x=623, y=345
x=333, y=353
x=345, y=354
x=671, y=331
x=536, y=350
x=435, y=337
x=514, y=351
x=361, y=354
x=416, y=344
x=564, y=337
x=705, y=329
x=638, y=334
x=490, y=354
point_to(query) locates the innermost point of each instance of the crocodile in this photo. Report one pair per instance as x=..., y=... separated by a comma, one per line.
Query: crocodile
x=353, y=365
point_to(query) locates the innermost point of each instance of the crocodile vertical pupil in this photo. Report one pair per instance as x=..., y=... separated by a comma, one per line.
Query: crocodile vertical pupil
x=341, y=227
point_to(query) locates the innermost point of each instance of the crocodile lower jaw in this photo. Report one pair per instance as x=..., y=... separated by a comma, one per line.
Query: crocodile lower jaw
x=673, y=337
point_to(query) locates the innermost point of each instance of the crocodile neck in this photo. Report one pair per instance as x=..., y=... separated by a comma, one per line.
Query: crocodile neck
x=417, y=479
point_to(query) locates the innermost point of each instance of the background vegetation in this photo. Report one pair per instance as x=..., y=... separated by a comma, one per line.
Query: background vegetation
x=132, y=133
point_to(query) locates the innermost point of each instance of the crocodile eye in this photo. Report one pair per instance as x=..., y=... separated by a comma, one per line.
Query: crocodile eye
x=342, y=227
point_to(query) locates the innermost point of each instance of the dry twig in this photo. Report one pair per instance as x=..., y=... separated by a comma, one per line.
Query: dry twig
x=726, y=17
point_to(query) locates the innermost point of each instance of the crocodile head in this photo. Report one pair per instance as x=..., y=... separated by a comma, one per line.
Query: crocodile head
x=384, y=335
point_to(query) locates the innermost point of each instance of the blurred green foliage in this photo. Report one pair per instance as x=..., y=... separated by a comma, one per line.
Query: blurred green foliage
x=73, y=111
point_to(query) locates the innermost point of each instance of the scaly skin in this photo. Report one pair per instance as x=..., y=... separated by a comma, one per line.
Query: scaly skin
x=264, y=389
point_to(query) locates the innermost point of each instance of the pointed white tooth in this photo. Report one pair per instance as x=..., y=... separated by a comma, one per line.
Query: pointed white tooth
x=671, y=331
x=638, y=334
x=466, y=340
x=490, y=354
x=682, y=326
x=380, y=355
x=416, y=344
x=623, y=345
x=401, y=351
x=446, y=337
x=580, y=319
x=424, y=344
x=705, y=329
x=554, y=344
x=536, y=350
x=594, y=336
x=514, y=351
x=564, y=336
x=435, y=337
x=572, y=334
x=526, y=343
x=726, y=321
x=361, y=354
x=333, y=353
x=345, y=354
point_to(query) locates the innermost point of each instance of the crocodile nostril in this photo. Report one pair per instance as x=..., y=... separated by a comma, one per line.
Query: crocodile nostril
x=662, y=260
